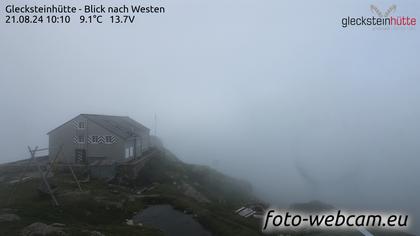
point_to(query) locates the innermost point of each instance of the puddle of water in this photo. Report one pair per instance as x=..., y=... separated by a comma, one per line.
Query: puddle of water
x=170, y=221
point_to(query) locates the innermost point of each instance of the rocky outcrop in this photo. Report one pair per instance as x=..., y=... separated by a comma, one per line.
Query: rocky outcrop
x=7, y=217
x=191, y=192
x=41, y=229
x=93, y=233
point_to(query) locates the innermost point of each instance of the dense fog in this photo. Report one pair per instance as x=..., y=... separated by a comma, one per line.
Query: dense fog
x=274, y=92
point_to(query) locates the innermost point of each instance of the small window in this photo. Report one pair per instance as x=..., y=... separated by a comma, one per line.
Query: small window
x=80, y=156
x=81, y=125
x=81, y=139
x=127, y=152
x=95, y=139
x=131, y=154
x=108, y=139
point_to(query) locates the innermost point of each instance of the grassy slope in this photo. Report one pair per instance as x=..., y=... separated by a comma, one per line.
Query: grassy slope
x=78, y=211
x=224, y=193
x=81, y=211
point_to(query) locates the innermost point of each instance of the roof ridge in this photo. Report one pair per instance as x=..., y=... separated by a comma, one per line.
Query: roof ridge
x=86, y=114
x=122, y=126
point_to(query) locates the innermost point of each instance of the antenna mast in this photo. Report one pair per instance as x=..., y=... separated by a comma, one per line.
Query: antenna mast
x=155, y=125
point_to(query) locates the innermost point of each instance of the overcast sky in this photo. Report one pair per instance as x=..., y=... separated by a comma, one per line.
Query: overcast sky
x=256, y=89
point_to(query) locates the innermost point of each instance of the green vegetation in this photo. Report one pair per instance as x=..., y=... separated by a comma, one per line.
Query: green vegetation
x=209, y=196
x=200, y=191
x=219, y=195
x=80, y=212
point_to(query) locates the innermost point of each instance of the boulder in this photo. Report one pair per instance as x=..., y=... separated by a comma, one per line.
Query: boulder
x=93, y=233
x=41, y=229
x=96, y=233
x=129, y=222
x=7, y=217
x=57, y=225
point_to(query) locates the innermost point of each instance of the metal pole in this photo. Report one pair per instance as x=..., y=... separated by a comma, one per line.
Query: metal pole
x=155, y=125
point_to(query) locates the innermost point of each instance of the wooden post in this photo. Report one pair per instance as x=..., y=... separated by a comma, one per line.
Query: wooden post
x=75, y=178
x=42, y=174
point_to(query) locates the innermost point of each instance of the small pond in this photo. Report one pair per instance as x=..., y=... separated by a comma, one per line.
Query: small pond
x=170, y=221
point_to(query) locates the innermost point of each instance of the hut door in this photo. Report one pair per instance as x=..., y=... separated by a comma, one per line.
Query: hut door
x=80, y=156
